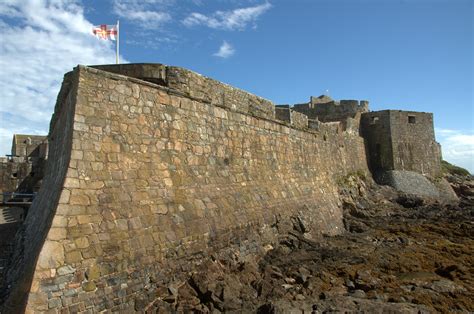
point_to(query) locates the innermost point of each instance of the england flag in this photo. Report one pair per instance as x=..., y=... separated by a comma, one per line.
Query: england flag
x=105, y=32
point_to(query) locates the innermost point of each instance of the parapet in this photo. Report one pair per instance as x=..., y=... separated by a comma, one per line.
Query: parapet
x=295, y=118
x=325, y=109
x=196, y=86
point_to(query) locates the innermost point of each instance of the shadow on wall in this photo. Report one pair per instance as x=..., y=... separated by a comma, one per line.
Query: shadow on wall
x=11, y=214
x=31, y=236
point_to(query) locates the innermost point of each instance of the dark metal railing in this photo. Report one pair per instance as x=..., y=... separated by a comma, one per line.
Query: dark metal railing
x=15, y=198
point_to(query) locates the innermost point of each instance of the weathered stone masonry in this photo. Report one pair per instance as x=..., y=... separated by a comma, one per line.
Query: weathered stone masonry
x=140, y=175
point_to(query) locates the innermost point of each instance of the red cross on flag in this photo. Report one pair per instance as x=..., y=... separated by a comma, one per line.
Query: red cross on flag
x=105, y=32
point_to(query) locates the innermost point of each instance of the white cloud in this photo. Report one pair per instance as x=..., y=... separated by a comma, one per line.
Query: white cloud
x=47, y=39
x=457, y=147
x=228, y=20
x=225, y=50
x=142, y=12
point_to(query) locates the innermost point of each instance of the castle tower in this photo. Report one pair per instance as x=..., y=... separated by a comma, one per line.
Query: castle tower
x=401, y=140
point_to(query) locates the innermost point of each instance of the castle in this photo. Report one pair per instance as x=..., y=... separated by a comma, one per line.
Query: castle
x=152, y=166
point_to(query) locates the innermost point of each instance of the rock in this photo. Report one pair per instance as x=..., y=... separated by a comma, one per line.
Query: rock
x=359, y=294
x=174, y=286
x=267, y=308
x=302, y=275
x=186, y=291
x=448, y=271
x=350, y=284
x=140, y=303
x=365, y=280
x=410, y=201
x=273, y=272
x=445, y=286
x=299, y=224
x=356, y=226
x=170, y=299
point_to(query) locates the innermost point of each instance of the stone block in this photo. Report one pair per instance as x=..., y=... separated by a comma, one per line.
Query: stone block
x=56, y=234
x=93, y=272
x=71, y=183
x=52, y=255
x=79, y=199
x=73, y=257
x=65, y=270
x=59, y=221
x=54, y=303
x=77, y=154
x=81, y=243
x=89, y=286
x=64, y=198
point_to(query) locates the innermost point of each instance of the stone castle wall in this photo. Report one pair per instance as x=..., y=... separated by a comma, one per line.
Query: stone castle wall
x=154, y=174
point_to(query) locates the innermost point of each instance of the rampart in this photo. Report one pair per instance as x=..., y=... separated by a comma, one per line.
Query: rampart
x=154, y=165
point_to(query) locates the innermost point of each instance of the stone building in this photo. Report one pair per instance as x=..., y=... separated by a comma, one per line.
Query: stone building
x=401, y=140
x=29, y=145
x=22, y=171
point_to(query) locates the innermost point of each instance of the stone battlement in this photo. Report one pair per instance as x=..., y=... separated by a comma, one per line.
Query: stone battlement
x=325, y=109
x=196, y=86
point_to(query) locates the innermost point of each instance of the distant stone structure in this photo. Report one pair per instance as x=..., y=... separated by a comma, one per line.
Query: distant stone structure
x=325, y=109
x=395, y=139
x=22, y=171
x=29, y=145
x=401, y=140
x=152, y=166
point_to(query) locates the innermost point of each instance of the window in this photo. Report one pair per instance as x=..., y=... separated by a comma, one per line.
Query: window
x=411, y=119
x=374, y=120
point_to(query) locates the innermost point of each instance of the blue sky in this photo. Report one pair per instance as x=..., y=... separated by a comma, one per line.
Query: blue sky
x=398, y=54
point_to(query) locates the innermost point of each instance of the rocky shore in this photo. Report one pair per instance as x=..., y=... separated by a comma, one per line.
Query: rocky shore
x=400, y=254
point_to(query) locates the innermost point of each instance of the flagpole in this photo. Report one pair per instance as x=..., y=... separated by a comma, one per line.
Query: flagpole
x=117, y=43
